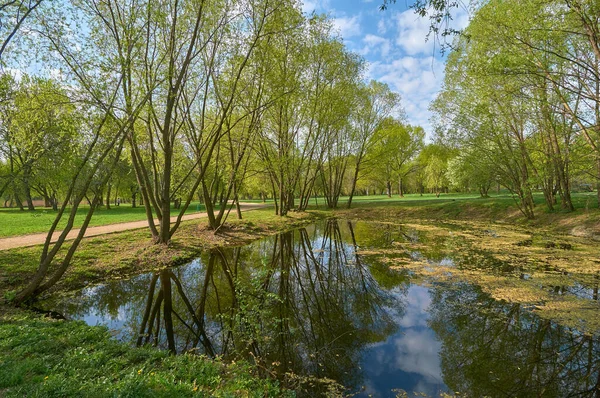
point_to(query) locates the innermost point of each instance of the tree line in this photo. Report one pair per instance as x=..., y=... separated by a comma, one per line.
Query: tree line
x=521, y=99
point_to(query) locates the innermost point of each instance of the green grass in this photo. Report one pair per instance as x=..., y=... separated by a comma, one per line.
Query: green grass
x=47, y=358
x=14, y=222
x=502, y=201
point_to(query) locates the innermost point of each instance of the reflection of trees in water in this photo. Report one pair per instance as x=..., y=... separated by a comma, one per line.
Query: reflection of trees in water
x=330, y=304
x=497, y=349
x=298, y=304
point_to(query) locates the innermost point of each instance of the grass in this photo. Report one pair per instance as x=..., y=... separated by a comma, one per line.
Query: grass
x=47, y=358
x=503, y=200
x=14, y=222
x=584, y=221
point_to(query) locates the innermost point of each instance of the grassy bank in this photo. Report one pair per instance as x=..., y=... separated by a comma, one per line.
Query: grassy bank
x=128, y=253
x=583, y=222
x=47, y=358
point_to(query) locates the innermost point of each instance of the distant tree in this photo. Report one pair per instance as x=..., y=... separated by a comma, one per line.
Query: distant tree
x=376, y=103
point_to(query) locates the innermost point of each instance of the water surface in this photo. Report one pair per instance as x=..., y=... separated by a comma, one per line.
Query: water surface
x=307, y=302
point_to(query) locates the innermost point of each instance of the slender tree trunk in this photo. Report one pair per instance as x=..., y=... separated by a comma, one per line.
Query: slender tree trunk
x=108, y=189
x=27, y=187
x=354, y=180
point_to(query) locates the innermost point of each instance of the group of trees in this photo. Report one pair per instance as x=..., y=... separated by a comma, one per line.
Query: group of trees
x=208, y=100
x=520, y=103
x=170, y=101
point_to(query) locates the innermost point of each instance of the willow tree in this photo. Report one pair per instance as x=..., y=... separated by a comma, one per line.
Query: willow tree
x=376, y=102
x=309, y=86
x=526, y=77
x=391, y=157
x=13, y=14
x=38, y=126
x=93, y=81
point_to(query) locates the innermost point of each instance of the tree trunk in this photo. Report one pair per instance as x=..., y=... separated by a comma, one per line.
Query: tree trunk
x=108, y=196
x=354, y=180
x=54, y=201
x=27, y=188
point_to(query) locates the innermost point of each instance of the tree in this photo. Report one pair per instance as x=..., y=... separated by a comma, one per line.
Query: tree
x=376, y=102
x=396, y=146
x=38, y=131
x=13, y=13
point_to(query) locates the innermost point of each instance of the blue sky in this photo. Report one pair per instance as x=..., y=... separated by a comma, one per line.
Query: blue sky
x=394, y=42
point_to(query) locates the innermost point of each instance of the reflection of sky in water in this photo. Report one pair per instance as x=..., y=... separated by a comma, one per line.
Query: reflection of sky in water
x=409, y=358
x=116, y=324
x=333, y=293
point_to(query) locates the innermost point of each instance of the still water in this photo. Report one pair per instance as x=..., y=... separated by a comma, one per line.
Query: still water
x=308, y=303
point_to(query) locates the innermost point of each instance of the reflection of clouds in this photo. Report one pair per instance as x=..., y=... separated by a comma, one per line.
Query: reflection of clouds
x=410, y=358
x=417, y=352
x=417, y=348
x=417, y=302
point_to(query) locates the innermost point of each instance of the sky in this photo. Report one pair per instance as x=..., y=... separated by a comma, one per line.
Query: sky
x=394, y=43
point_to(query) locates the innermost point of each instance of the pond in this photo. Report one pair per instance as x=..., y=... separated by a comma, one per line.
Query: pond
x=322, y=303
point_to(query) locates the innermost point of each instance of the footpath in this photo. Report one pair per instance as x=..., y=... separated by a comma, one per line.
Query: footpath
x=14, y=242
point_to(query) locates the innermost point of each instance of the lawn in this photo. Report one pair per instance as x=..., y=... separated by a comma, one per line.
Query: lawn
x=14, y=222
x=504, y=200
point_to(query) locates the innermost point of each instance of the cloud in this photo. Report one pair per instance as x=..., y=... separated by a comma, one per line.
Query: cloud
x=381, y=27
x=412, y=33
x=308, y=6
x=417, y=79
x=348, y=26
x=413, y=30
x=373, y=42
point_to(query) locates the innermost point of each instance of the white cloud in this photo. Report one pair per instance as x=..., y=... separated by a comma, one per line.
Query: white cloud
x=417, y=79
x=17, y=74
x=308, y=6
x=348, y=26
x=373, y=42
x=412, y=33
x=381, y=27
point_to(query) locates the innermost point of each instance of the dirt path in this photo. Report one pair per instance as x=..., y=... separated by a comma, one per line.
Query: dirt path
x=39, y=239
